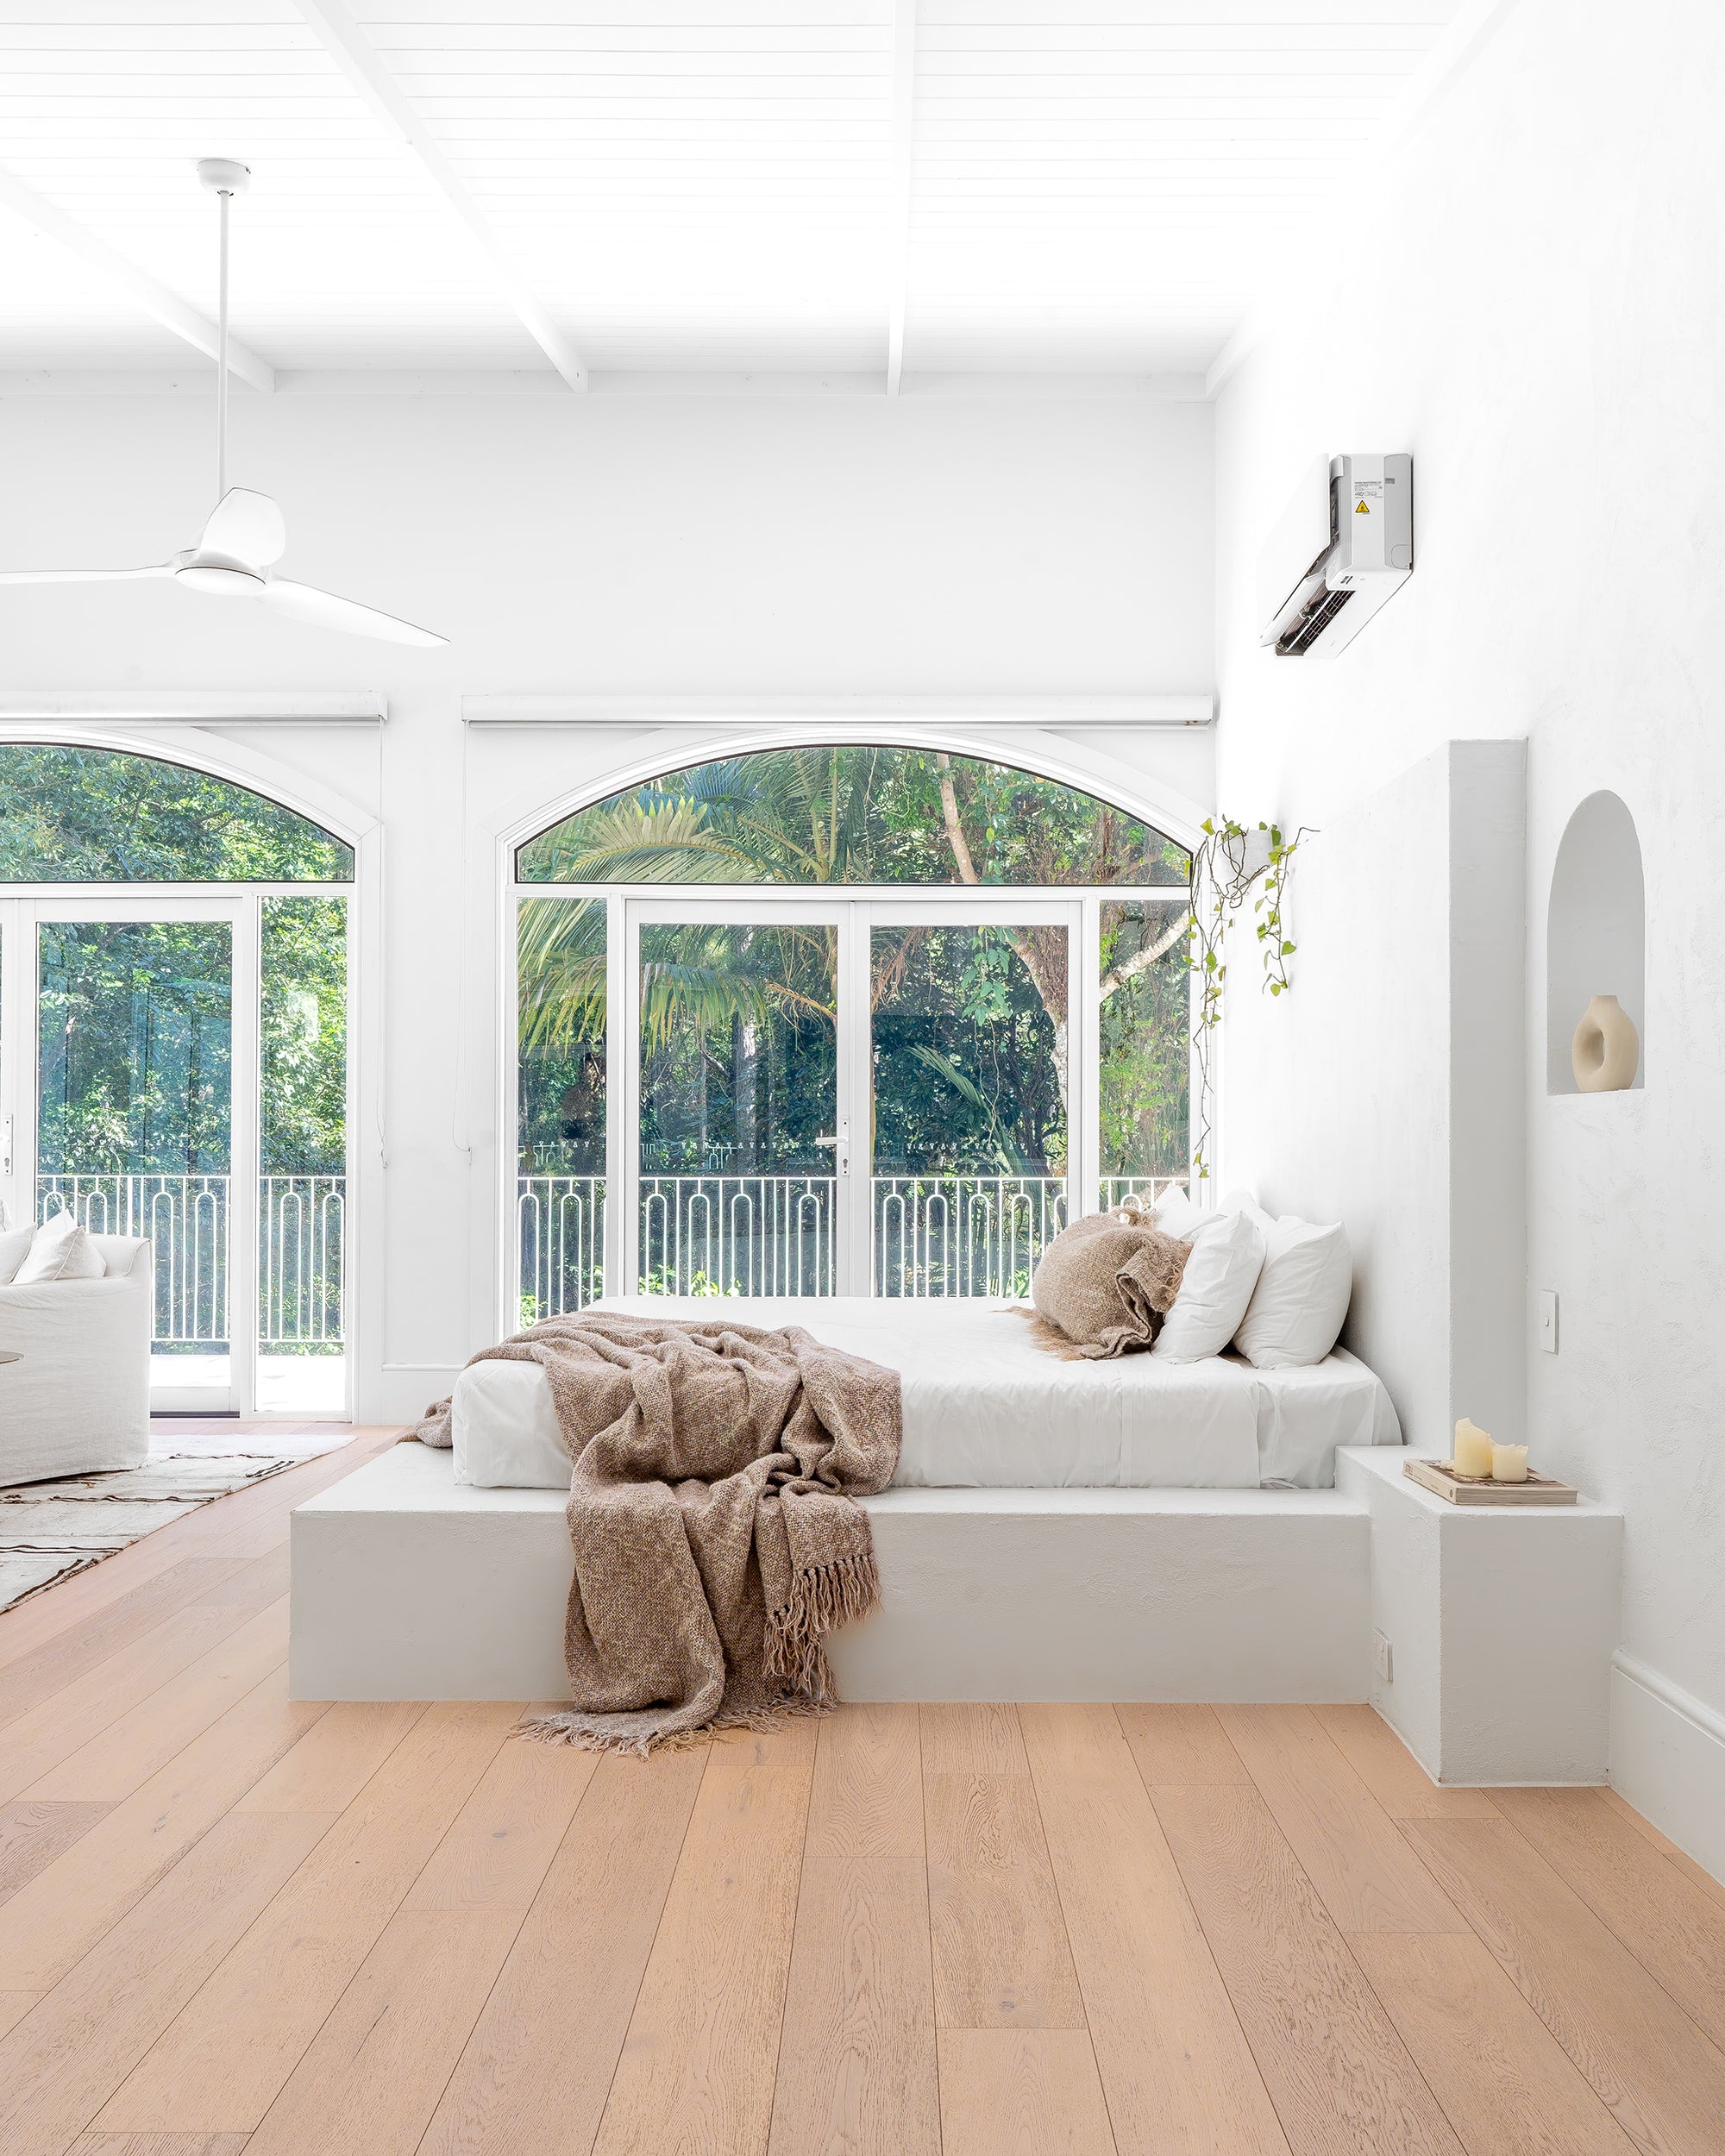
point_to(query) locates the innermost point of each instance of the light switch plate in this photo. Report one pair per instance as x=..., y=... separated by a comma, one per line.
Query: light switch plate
x=1382, y=1657
x=1548, y=1319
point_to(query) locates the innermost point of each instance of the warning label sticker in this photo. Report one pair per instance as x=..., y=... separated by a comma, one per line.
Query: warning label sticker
x=1362, y=509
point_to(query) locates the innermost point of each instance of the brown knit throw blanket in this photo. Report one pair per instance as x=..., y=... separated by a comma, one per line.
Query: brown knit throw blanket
x=711, y=1511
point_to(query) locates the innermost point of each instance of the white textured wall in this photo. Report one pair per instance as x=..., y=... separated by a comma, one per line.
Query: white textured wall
x=713, y=545
x=1536, y=315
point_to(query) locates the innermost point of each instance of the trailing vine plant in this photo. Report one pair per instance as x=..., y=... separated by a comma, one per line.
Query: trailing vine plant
x=1233, y=863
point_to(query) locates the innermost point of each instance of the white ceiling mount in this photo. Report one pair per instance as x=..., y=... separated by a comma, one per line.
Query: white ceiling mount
x=223, y=175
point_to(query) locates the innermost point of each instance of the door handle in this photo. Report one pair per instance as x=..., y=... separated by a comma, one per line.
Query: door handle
x=840, y=1140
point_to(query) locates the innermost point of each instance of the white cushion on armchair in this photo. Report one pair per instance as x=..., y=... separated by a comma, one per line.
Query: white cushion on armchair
x=78, y=1401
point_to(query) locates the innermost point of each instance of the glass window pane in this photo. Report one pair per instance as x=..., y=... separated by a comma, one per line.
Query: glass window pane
x=1146, y=1046
x=134, y=1112
x=969, y=1108
x=70, y=815
x=559, y=1184
x=303, y=1157
x=740, y=1081
x=853, y=815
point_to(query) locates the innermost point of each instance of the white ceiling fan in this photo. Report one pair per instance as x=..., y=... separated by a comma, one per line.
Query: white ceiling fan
x=246, y=533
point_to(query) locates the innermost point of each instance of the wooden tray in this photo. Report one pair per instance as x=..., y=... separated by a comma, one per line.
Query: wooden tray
x=1467, y=1489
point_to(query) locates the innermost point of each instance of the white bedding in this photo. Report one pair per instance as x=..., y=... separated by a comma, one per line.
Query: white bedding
x=985, y=1408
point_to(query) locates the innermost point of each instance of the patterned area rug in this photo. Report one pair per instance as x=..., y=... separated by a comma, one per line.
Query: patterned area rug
x=48, y=1530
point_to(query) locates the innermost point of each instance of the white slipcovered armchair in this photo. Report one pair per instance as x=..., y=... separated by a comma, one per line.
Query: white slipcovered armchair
x=77, y=1400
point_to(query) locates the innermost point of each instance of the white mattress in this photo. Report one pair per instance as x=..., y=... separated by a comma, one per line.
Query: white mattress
x=984, y=1408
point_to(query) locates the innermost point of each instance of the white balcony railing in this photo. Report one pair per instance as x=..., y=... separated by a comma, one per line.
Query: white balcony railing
x=774, y=1235
x=301, y=1250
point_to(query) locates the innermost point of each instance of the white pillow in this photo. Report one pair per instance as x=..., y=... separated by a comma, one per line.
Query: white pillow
x=60, y=1250
x=1301, y=1297
x=14, y=1246
x=1227, y=1250
x=1175, y=1215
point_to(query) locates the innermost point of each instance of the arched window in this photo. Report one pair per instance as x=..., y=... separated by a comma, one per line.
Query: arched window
x=942, y=1006
x=853, y=815
x=173, y=1014
x=76, y=815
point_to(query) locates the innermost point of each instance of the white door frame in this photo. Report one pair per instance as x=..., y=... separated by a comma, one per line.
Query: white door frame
x=243, y=915
x=693, y=904
x=855, y=918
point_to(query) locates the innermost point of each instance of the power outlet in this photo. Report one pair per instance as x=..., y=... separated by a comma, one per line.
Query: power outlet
x=1548, y=1319
x=1382, y=1657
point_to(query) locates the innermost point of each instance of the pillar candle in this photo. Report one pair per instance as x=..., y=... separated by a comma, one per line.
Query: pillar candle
x=1509, y=1462
x=1473, y=1449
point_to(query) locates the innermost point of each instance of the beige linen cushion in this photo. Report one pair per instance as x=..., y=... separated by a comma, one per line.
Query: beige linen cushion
x=60, y=1250
x=1105, y=1285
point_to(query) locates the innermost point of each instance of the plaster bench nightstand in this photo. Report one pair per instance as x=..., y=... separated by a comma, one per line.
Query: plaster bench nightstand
x=1500, y=1624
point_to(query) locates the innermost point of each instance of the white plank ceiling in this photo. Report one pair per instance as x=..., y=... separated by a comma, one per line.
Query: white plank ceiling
x=768, y=186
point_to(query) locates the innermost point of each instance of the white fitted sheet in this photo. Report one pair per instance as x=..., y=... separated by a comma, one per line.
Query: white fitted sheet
x=985, y=1408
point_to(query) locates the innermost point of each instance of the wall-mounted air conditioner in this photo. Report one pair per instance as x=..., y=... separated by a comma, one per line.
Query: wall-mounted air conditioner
x=1342, y=546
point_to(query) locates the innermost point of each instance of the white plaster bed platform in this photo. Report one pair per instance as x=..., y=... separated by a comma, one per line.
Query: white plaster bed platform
x=408, y=1586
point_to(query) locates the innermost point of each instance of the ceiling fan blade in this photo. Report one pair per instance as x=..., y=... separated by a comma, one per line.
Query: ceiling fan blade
x=305, y=602
x=81, y=576
x=246, y=525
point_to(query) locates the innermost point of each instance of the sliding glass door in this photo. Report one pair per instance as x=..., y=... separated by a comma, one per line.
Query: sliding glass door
x=175, y=1068
x=971, y=1070
x=135, y=1118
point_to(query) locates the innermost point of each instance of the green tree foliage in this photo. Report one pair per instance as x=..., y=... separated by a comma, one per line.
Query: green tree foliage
x=70, y=815
x=971, y=1023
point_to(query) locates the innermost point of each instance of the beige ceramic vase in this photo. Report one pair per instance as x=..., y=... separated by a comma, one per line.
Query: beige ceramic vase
x=1606, y=1049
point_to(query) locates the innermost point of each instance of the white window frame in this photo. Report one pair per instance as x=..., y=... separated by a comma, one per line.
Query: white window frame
x=855, y=909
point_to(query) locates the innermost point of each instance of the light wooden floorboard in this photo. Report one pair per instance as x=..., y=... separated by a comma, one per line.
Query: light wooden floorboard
x=109, y=1766
x=59, y=2063
x=856, y=2058
x=1175, y=2064
x=700, y=2058
x=159, y=2145
x=867, y=1796
x=56, y=1726
x=1180, y=1743
x=1366, y=1875
x=1338, y=2073
x=1391, y=1773
x=1002, y=1958
x=970, y=1739
x=534, y=2075
x=33, y=1835
x=48, y=1925
x=228, y=2055
x=1021, y=2092
x=1660, y=2078
x=395, y=1929
x=371, y=2080
x=1503, y=2080
x=1675, y=1930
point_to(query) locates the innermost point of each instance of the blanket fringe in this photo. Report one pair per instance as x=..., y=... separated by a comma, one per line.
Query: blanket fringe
x=823, y=1597
x=600, y=1733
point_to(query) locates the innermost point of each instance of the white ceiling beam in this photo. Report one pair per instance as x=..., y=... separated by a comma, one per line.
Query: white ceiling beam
x=113, y=267
x=358, y=60
x=899, y=206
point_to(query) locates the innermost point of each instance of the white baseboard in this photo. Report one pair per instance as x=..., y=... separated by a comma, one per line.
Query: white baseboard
x=1668, y=1759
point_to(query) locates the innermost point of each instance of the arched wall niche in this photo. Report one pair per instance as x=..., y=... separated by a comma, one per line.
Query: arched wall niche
x=1596, y=931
